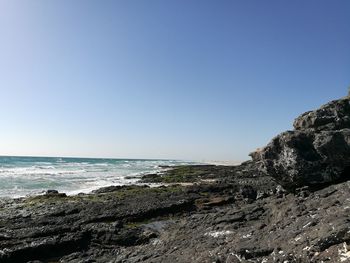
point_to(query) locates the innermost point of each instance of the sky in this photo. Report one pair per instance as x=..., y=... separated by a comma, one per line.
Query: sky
x=184, y=79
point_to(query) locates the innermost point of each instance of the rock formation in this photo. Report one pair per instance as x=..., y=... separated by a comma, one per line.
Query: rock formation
x=316, y=152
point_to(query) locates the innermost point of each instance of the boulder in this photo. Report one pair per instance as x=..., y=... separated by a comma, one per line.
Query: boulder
x=315, y=153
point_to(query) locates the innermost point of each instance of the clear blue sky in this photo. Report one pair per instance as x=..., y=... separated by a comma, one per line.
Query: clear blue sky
x=186, y=79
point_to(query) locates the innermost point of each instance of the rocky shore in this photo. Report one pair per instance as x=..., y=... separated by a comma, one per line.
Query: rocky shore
x=290, y=203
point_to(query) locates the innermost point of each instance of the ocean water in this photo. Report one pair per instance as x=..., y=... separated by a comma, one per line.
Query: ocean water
x=22, y=176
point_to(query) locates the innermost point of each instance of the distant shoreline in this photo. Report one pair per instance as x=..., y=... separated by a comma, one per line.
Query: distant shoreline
x=228, y=163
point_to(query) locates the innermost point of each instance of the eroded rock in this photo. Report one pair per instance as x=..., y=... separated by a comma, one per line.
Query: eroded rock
x=317, y=152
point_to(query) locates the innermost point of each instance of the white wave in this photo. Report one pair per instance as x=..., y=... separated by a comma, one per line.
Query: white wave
x=73, y=177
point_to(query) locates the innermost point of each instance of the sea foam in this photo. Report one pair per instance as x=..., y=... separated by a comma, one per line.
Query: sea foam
x=22, y=176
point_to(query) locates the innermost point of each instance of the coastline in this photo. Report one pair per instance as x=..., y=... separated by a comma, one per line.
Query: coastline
x=276, y=207
x=225, y=163
x=26, y=176
x=138, y=223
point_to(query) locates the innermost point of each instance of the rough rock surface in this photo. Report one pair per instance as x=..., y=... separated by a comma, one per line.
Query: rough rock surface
x=204, y=213
x=331, y=116
x=317, y=152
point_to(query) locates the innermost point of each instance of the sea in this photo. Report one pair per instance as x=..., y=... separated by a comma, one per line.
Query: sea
x=25, y=176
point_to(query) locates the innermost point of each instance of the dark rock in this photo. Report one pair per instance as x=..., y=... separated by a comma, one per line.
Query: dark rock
x=114, y=188
x=336, y=237
x=107, y=189
x=48, y=192
x=334, y=115
x=249, y=253
x=248, y=192
x=55, y=193
x=316, y=153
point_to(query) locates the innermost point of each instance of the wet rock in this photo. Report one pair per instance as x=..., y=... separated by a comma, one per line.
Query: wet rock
x=54, y=193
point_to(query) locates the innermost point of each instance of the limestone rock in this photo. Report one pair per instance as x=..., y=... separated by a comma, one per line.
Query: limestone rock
x=316, y=152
